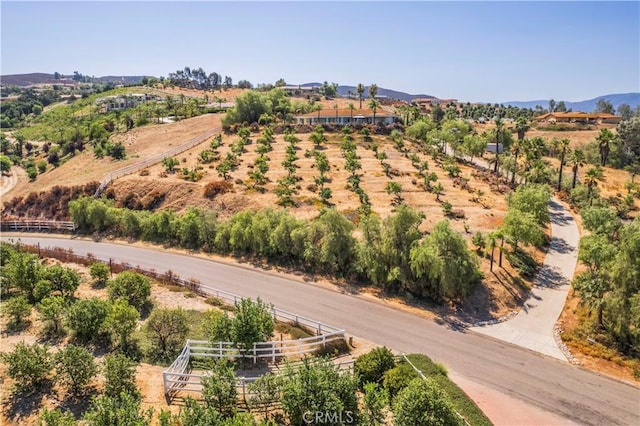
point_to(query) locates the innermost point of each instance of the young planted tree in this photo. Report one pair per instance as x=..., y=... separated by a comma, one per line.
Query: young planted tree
x=86, y=318
x=75, y=368
x=167, y=329
x=437, y=189
x=219, y=387
x=373, y=405
x=52, y=310
x=264, y=392
x=394, y=188
x=121, y=322
x=17, y=309
x=252, y=323
x=120, y=376
x=591, y=179
x=133, y=287
x=28, y=365
x=100, y=273
x=123, y=410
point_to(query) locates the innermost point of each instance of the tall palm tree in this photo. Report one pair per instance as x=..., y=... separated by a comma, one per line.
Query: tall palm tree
x=373, y=90
x=577, y=160
x=351, y=108
x=561, y=145
x=374, y=105
x=360, y=90
x=604, y=139
x=591, y=179
x=515, y=149
x=497, y=136
x=522, y=127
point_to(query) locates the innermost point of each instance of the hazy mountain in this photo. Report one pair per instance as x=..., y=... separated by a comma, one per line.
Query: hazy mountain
x=616, y=99
x=389, y=93
x=41, y=78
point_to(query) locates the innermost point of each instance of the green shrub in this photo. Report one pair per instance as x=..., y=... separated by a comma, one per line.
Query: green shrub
x=372, y=366
x=120, y=375
x=17, y=309
x=75, y=367
x=398, y=378
x=86, y=318
x=132, y=287
x=28, y=365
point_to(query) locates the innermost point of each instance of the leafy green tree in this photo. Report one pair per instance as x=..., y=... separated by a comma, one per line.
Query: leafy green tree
x=100, y=273
x=604, y=106
x=120, y=375
x=628, y=132
x=133, y=287
x=63, y=280
x=28, y=365
x=5, y=163
x=317, y=386
x=394, y=188
x=17, y=309
x=52, y=310
x=170, y=164
x=329, y=244
x=75, y=368
x=597, y=253
x=443, y=265
x=167, y=329
x=371, y=366
x=123, y=410
x=264, y=392
x=23, y=272
x=219, y=387
x=422, y=402
x=437, y=189
x=532, y=198
x=522, y=227
x=600, y=220
x=121, y=322
x=623, y=305
x=86, y=318
x=56, y=417
x=374, y=403
x=252, y=323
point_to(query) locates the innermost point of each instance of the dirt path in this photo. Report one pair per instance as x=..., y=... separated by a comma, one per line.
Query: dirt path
x=8, y=182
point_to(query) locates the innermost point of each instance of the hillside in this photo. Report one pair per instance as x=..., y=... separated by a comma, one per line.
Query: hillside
x=616, y=99
x=46, y=78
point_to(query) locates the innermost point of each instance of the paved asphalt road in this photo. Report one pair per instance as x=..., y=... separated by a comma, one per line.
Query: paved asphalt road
x=533, y=326
x=557, y=387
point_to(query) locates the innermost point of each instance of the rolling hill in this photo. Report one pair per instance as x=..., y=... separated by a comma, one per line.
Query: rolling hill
x=616, y=99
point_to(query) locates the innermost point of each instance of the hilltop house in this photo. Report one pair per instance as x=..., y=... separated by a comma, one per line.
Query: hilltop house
x=120, y=102
x=578, y=117
x=346, y=116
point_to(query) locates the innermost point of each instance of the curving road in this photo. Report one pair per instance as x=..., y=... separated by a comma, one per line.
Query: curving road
x=570, y=392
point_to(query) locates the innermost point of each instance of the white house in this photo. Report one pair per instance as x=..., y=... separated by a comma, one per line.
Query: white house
x=347, y=116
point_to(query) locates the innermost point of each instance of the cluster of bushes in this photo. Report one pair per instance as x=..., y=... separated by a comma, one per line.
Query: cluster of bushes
x=392, y=254
x=52, y=204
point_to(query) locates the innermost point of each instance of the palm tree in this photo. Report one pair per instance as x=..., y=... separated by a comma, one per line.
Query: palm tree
x=522, y=127
x=374, y=105
x=497, y=135
x=562, y=145
x=591, y=179
x=515, y=148
x=577, y=160
x=604, y=139
x=351, y=108
x=373, y=90
x=360, y=90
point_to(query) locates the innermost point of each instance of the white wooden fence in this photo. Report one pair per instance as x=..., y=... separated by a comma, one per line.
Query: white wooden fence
x=133, y=168
x=37, y=225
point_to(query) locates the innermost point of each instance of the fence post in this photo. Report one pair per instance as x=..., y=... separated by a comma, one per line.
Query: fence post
x=164, y=381
x=255, y=354
x=273, y=352
x=324, y=341
x=220, y=348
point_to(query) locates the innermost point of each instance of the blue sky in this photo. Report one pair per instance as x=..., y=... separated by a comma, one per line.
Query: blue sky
x=472, y=51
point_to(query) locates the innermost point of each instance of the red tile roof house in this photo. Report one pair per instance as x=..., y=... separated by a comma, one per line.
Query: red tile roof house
x=346, y=116
x=578, y=117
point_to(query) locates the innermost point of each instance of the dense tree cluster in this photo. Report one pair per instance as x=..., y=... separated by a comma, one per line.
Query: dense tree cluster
x=393, y=254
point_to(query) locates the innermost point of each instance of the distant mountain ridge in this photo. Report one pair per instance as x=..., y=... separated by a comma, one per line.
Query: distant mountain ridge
x=616, y=99
x=45, y=78
x=343, y=90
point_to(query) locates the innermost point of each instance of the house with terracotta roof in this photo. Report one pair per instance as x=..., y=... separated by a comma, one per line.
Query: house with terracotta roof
x=347, y=116
x=579, y=117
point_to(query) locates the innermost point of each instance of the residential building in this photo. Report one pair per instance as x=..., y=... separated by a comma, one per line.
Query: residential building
x=346, y=116
x=578, y=117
